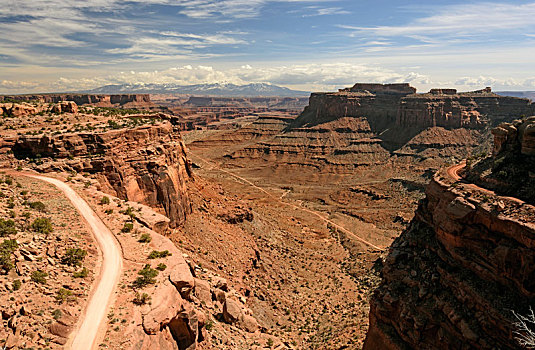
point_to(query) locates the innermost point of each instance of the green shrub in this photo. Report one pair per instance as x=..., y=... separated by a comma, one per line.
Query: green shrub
x=7, y=248
x=57, y=314
x=42, y=225
x=141, y=299
x=39, y=276
x=105, y=200
x=109, y=211
x=147, y=275
x=63, y=295
x=40, y=206
x=156, y=254
x=74, y=257
x=7, y=227
x=17, y=284
x=81, y=274
x=161, y=267
x=128, y=226
x=145, y=238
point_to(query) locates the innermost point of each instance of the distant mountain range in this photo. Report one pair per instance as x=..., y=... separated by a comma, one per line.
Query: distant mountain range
x=524, y=94
x=217, y=89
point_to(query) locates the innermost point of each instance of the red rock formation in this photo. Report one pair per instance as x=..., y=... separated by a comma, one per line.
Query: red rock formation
x=131, y=100
x=452, y=279
x=147, y=164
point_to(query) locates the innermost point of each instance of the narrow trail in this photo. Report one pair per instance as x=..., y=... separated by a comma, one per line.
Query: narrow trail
x=279, y=199
x=453, y=173
x=87, y=334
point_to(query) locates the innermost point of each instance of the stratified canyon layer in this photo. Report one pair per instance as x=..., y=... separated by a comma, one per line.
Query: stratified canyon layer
x=131, y=100
x=147, y=164
x=454, y=277
x=373, y=124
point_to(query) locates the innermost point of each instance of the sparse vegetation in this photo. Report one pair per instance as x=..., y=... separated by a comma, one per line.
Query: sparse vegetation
x=74, y=257
x=141, y=299
x=39, y=206
x=157, y=254
x=145, y=238
x=525, y=329
x=63, y=295
x=7, y=248
x=161, y=267
x=7, y=227
x=147, y=275
x=39, y=276
x=42, y=225
x=83, y=273
x=105, y=200
x=56, y=314
x=128, y=227
x=17, y=284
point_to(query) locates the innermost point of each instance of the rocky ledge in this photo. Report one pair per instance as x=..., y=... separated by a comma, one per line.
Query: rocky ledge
x=147, y=164
x=454, y=277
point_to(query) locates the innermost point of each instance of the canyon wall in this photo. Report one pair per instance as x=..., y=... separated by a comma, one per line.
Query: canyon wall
x=398, y=105
x=454, y=277
x=147, y=164
x=131, y=100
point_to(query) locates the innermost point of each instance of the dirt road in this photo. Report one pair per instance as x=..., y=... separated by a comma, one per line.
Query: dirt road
x=86, y=336
x=279, y=199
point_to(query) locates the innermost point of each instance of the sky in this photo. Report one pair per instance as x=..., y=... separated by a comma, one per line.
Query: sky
x=71, y=45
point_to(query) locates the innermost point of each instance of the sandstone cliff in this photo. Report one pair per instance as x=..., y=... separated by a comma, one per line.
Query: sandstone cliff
x=454, y=276
x=132, y=100
x=146, y=164
x=382, y=123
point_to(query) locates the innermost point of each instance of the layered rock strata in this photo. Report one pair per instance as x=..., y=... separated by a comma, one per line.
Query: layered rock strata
x=84, y=99
x=453, y=279
x=147, y=164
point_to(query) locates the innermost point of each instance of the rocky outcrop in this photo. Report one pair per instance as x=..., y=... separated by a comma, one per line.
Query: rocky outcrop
x=131, y=100
x=449, y=109
x=454, y=276
x=147, y=164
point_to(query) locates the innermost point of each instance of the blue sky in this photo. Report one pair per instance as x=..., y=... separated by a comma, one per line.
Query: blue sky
x=58, y=45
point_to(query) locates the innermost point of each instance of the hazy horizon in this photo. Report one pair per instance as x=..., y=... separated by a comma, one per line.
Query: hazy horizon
x=306, y=45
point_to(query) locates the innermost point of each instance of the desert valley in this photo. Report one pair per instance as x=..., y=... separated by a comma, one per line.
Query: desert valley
x=373, y=217
x=267, y=175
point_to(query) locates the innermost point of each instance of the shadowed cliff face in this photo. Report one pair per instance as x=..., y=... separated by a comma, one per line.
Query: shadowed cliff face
x=467, y=260
x=146, y=164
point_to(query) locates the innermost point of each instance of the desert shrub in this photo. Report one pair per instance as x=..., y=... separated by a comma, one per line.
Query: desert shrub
x=42, y=225
x=145, y=238
x=74, y=257
x=63, y=295
x=105, y=200
x=17, y=284
x=141, y=299
x=209, y=325
x=83, y=273
x=7, y=227
x=525, y=329
x=147, y=275
x=109, y=211
x=128, y=226
x=40, y=206
x=161, y=267
x=39, y=276
x=56, y=314
x=7, y=248
x=156, y=254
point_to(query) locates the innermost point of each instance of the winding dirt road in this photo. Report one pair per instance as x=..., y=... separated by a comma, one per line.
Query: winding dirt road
x=87, y=333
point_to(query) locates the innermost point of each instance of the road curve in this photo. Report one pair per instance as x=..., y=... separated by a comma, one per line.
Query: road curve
x=87, y=333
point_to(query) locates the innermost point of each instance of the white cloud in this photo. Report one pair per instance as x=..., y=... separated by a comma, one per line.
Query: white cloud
x=460, y=20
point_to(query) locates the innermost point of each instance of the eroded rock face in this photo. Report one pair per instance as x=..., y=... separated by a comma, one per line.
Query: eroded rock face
x=452, y=278
x=131, y=100
x=147, y=164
